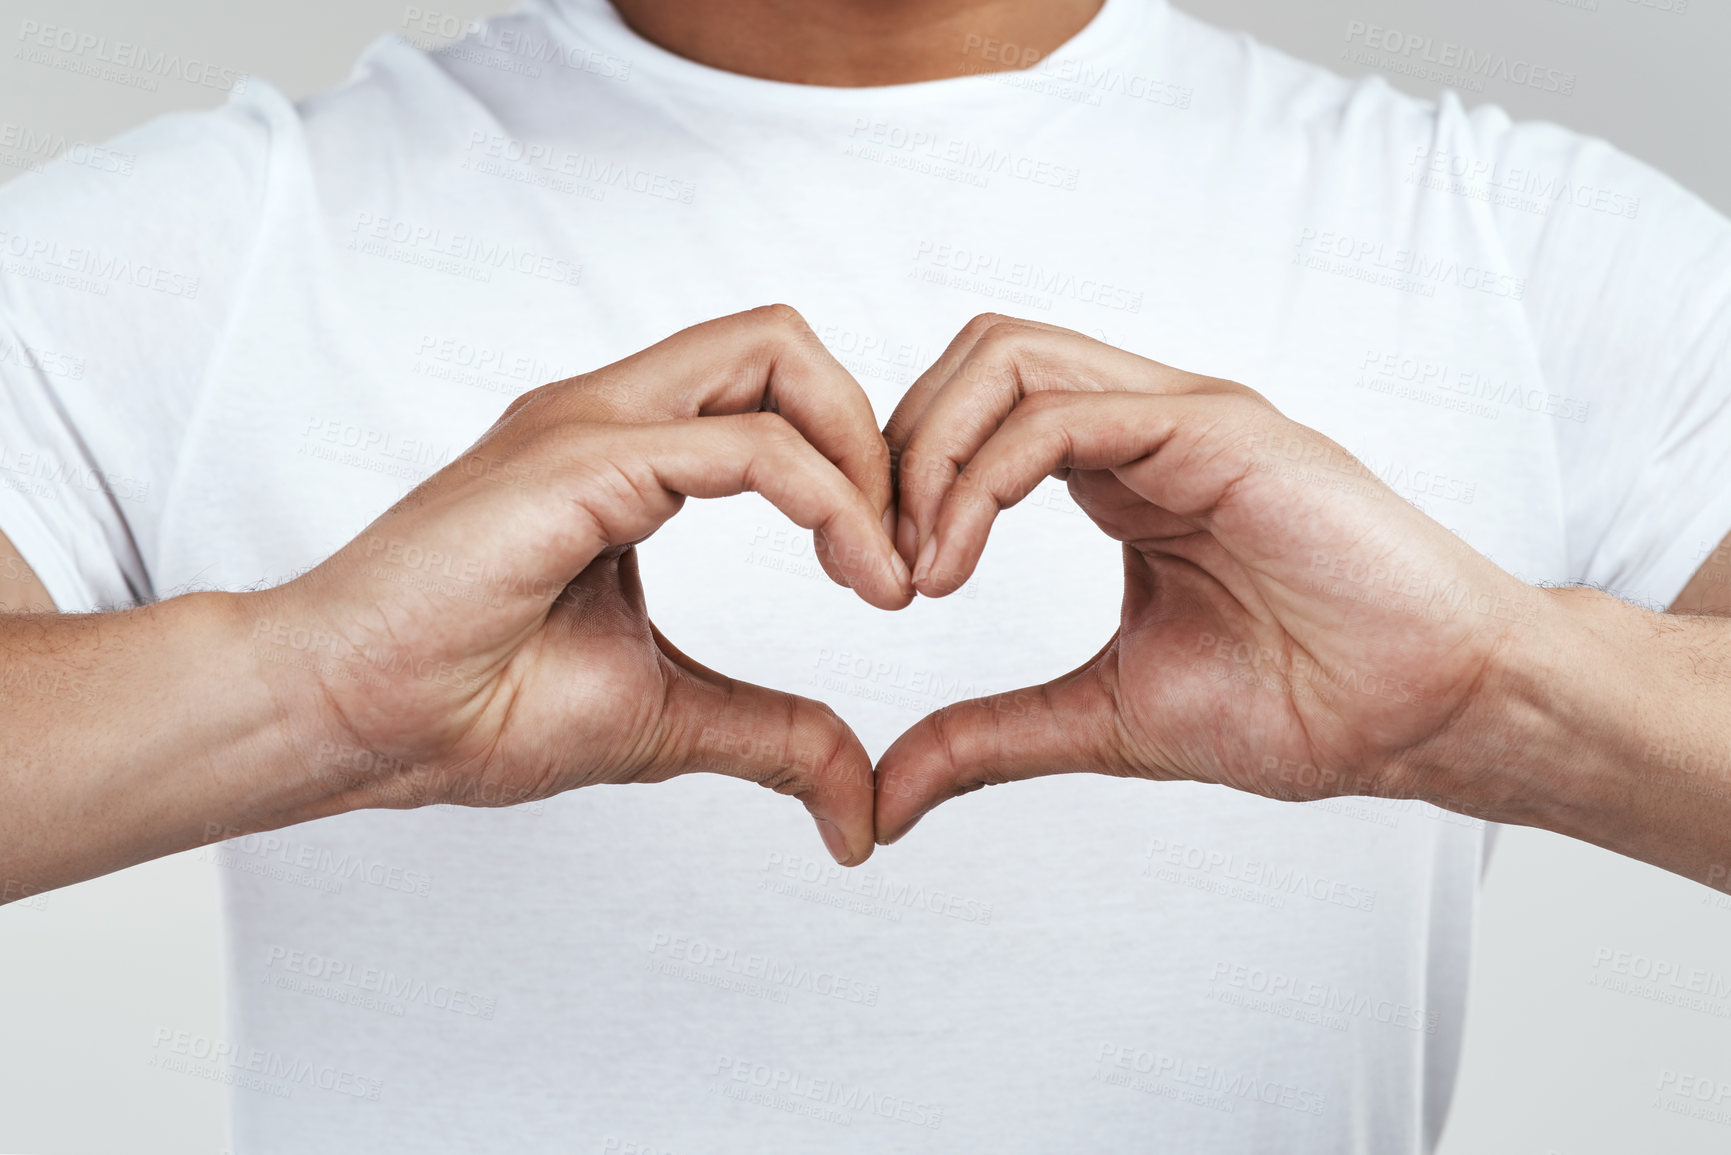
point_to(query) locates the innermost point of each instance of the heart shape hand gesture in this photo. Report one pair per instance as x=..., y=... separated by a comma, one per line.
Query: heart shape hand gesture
x=1289, y=625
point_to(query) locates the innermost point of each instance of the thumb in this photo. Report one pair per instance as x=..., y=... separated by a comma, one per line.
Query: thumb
x=793, y=745
x=1062, y=727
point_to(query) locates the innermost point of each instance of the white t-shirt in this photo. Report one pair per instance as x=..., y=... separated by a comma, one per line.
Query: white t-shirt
x=220, y=360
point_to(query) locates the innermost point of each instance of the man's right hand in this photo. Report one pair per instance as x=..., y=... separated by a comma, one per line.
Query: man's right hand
x=485, y=641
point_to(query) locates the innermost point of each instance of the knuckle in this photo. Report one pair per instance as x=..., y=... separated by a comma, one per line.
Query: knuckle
x=996, y=343
x=782, y=331
x=982, y=489
x=786, y=780
x=773, y=434
x=1251, y=400
x=878, y=455
x=1000, y=345
x=1006, y=329
x=784, y=321
x=770, y=427
x=530, y=399
x=957, y=778
x=982, y=323
x=923, y=473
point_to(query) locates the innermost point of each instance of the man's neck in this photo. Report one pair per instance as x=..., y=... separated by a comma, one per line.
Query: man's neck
x=852, y=43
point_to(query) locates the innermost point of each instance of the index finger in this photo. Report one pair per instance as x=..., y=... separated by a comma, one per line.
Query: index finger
x=766, y=359
x=911, y=410
x=1005, y=361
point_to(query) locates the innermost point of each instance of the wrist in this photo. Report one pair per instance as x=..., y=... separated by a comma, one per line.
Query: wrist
x=1516, y=752
x=1598, y=721
x=354, y=732
x=308, y=768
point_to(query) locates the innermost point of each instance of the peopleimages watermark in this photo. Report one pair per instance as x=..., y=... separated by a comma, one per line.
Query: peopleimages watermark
x=22, y=895
x=875, y=355
x=507, y=46
x=1200, y=1084
x=1391, y=266
x=829, y=1100
x=1074, y=79
x=1268, y=881
x=48, y=362
x=327, y=651
x=87, y=269
x=1017, y=282
x=118, y=61
x=879, y=679
x=448, y=572
x=1398, y=585
x=932, y=153
x=568, y=170
x=614, y=1145
x=331, y=868
x=1250, y=987
x=254, y=1068
x=1513, y=186
x=710, y=963
x=1300, y=674
x=32, y=149
x=489, y=368
x=329, y=438
x=1446, y=62
x=1662, y=981
x=460, y=254
x=1719, y=876
x=1464, y=389
x=872, y=893
x=1416, y=483
x=1694, y=1096
x=53, y=684
x=369, y=987
x=46, y=475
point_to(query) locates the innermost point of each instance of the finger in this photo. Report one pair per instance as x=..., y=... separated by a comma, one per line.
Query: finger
x=1122, y=513
x=723, y=456
x=1009, y=360
x=792, y=745
x=1066, y=726
x=914, y=402
x=764, y=359
x=1088, y=431
x=911, y=411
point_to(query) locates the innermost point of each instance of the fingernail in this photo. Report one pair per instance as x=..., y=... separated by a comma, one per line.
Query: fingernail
x=833, y=841
x=899, y=570
x=890, y=523
x=907, y=537
x=900, y=834
x=922, y=568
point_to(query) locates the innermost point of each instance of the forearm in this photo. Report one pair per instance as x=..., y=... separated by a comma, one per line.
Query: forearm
x=1610, y=724
x=129, y=736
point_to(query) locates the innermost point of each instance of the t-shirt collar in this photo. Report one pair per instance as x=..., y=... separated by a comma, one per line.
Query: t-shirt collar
x=596, y=23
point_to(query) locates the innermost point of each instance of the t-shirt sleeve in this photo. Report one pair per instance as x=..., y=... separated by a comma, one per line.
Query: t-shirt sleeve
x=119, y=266
x=1628, y=293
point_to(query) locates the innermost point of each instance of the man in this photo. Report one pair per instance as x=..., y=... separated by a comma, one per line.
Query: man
x=325, y=306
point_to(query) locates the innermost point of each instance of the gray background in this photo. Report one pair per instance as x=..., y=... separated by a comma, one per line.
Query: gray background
x=1554, y=1065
